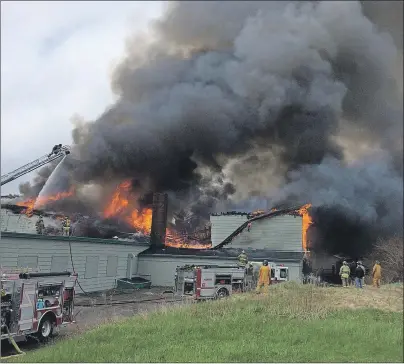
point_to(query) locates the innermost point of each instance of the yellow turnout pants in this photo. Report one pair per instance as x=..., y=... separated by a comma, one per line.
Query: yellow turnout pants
x=260, y=285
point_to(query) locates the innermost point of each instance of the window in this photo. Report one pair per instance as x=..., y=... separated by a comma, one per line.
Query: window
x=272, y=273
x=27, y=262
x=112, y=265
x=91, y=267
x=59, y=263
x=223, y=279
x=283, y=273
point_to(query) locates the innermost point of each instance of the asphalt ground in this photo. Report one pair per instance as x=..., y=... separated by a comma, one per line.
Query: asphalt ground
x=95, y=309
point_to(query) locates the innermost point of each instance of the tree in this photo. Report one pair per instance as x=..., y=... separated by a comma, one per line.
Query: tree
x=389, y=252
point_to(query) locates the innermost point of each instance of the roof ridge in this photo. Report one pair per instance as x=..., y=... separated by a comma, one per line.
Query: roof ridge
x=262, y=216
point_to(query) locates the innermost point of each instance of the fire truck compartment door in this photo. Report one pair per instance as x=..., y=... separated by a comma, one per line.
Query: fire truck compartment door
x=208, y=280
x=27, y=307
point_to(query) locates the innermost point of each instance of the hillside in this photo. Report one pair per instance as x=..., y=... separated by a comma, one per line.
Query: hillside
x=294, y=323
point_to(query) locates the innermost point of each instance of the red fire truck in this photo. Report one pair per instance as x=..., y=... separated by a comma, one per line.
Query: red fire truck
x=215, y=281
x=212, y=281
x=35, y=303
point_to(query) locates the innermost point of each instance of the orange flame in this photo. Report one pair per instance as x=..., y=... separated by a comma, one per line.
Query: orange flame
x=307, y=221
x=257, y=212
x=122, y=206
x=176, y=240
x=43, y=200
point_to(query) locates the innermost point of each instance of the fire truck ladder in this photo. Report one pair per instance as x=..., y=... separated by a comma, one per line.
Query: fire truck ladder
x=63, y=151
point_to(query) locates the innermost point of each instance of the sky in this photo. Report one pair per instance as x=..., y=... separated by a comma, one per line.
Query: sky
x=56, y=62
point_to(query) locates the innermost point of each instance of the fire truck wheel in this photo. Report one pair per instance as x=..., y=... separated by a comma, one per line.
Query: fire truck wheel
x=222, y=293
x=45, y=329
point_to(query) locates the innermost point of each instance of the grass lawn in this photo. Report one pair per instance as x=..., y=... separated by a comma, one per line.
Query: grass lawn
x=294, y=323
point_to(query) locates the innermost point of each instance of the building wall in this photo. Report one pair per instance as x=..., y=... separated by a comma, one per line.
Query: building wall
x=21, y=223
x=282, y=232
x=161, y=269
x=222, y=226
x=97, y=264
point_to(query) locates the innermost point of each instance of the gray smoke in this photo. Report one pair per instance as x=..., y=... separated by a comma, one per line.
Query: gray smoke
x=230, y=92
x=28, y=189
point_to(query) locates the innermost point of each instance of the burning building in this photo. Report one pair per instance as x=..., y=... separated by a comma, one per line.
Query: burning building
x=153, y=249
x=278, y=236
x=294, y=102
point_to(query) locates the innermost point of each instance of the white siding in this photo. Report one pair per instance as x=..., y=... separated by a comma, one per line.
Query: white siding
x=11, y=248
x=162, y=268
x=222, y=226
x=281, y=233
x=21, y=223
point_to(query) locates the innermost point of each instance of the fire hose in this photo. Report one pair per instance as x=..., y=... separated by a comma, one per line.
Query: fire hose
x=128, y=302
x=12, y=342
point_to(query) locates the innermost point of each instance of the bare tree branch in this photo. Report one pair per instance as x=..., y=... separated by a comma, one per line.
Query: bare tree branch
x=390, y=254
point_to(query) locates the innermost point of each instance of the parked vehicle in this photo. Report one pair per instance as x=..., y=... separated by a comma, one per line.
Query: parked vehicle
x=36, y=303
x=212, y=281
x=279, y=273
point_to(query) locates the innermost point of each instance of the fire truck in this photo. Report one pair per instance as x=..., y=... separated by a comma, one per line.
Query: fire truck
x=215, y=281
x=34, y=303
x=212, y=281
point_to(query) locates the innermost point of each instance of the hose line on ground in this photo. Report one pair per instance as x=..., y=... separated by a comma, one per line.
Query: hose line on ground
x=12, y=342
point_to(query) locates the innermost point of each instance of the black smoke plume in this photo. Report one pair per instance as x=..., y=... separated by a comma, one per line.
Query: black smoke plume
x=280, y=100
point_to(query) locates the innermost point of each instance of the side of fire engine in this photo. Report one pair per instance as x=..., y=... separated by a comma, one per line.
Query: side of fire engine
x=212, y=281
x=36, y=303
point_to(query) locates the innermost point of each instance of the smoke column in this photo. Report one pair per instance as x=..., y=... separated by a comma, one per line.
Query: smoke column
x=292, y=101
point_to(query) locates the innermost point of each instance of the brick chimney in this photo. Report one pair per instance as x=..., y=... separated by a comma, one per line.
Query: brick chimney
x=159, y=220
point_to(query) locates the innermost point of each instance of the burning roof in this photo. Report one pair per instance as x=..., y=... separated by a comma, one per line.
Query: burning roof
x=121, y=212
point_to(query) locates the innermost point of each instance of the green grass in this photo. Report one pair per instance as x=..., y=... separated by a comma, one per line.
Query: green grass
x=293, y=324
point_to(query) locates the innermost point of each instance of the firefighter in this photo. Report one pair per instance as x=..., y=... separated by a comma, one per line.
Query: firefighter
x=352, y=267
x=319, y=276
x=242, y=259
x=344, y=273
x=264, y=278
x=40, y=226
x=3, y=291
x=359, y=275
x=360, y=264
x=66, y=226
x=377, y=274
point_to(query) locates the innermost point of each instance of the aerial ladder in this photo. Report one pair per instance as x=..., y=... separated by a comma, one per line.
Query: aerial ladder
x=58, y=152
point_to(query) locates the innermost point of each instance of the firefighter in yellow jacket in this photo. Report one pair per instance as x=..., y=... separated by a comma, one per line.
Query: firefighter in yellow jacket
x=242, y=259
x=66, y=226
x=344, y=273
x=264, y=278
x=377, y=274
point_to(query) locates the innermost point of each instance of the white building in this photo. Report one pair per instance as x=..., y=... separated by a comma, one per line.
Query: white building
x=276, y=236
x=223, y=225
